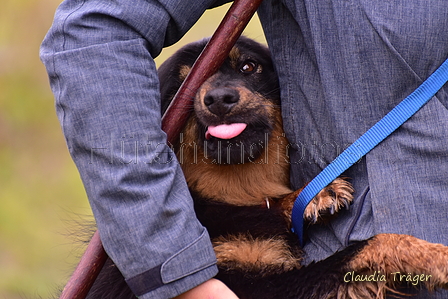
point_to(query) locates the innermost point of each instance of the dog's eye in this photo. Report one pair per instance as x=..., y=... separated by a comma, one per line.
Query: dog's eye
x=249, y=67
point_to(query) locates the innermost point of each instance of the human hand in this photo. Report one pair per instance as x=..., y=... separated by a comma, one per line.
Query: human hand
x=211, y=289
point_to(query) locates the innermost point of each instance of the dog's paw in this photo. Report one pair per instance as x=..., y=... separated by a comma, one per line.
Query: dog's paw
x=329, y=201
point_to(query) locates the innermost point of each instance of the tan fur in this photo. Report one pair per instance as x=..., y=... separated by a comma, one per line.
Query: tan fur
x=254, y=255
x=268, y=176
x=392, y=253
x=183, y=72
x=250, y=183
x=335, y=196
x=239, y=184
x=234, y=57
x=389, y=254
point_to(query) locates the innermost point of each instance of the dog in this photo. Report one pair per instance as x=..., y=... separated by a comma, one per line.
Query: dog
x=233, y=152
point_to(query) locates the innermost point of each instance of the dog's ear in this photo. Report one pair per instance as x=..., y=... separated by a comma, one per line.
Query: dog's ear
x=173, y=71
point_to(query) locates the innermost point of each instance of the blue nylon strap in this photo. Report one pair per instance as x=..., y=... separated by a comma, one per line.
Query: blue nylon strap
x=383, y=128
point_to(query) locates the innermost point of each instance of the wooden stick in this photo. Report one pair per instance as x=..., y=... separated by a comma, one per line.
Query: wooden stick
x=87, y=270
x=173, y=121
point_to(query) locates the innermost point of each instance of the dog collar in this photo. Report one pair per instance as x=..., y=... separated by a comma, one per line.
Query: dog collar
x=266, y=204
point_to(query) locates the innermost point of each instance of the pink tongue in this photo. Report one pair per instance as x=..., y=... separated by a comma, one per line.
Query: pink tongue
x=225, y=131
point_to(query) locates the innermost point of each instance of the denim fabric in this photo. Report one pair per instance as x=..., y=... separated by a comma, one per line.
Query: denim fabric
x=343, y=64
x=99, y=58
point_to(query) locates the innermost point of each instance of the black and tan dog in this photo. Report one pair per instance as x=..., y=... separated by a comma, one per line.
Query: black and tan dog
x=234, y=155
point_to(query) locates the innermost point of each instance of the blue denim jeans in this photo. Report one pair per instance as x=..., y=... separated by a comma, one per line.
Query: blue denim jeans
x=342, y=66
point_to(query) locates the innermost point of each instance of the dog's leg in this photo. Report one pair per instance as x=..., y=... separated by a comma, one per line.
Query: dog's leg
x=396, y=260
x=255, y=255
x=328, y=202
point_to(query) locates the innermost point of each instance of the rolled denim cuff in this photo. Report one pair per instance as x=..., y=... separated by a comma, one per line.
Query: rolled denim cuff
x=187, y=268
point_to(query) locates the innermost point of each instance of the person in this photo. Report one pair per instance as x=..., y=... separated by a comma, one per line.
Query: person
x=342, y=66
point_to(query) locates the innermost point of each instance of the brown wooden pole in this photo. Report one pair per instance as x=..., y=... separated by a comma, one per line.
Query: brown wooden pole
x=87, y=270
x=173, y=121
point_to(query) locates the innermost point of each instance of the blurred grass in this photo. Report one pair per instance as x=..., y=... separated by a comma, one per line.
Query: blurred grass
x=40, y=190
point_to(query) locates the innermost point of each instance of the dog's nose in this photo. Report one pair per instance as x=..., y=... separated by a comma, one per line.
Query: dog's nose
x=220, y=101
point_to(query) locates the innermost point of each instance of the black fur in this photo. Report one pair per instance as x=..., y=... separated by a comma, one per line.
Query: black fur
x=318, y=280
x=223, y=219
x=323, y=279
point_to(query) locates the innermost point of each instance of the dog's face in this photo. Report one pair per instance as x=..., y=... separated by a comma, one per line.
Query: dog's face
x=235, y=109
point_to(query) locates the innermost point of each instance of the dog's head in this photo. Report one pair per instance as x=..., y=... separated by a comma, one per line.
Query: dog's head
x=237, y=108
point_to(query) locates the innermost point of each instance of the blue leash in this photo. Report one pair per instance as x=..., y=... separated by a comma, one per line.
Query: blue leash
x=383, y=128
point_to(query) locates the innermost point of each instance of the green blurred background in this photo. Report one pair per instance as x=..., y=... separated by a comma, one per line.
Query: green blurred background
x=41, y=195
